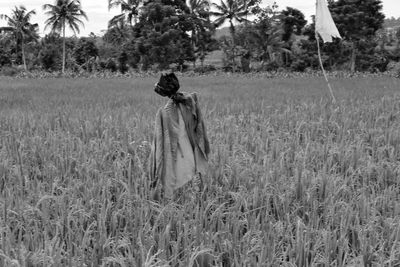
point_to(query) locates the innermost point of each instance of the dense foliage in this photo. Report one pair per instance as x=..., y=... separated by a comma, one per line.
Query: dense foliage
x=21, y=28
x=358, y=22
x=163, y=34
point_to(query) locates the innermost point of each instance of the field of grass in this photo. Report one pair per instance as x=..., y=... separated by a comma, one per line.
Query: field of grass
x=294, y=180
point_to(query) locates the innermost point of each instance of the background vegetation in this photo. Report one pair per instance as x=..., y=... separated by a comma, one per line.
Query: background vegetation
x=182, y=35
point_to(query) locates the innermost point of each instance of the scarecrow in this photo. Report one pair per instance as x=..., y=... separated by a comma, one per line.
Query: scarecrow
x=180, y=147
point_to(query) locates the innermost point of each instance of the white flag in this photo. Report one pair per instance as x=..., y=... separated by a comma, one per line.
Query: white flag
x=324, y=23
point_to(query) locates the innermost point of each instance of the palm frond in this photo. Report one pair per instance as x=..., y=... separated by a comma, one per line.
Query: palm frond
x=242, y=14
x=220, y=8
x=285, y=50
x=74, y=26
x=113, y=3
x=30, y=14
x=231, y=4
x=84, y=15
x=199, y=5
x=48, y=7
x=128, y=6
x=76, y=21
x=32, y=33
x=221, y=20
x=116, y=20
x=217, y=14
x=5, y=17
x=54, y=23
x=6, y=29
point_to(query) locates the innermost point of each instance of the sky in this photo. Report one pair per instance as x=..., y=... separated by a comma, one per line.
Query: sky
x=99, y=15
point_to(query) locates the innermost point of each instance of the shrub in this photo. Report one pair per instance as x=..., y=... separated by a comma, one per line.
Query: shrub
x=271, y=66
x=4, y=59
x=9, y=71
x=110, y=65
x=122, y=60
x=372, y=63
x=299, y=65
x=50, y=58
x=84, y=50
x=205, y=69
x=228, y=67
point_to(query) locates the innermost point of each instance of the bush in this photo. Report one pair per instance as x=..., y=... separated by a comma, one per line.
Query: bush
x=205, y=69
x=394, y=68
x=50, y=58
x=228, y=67
x=395, y=55
x=9, y=71
x=84, y=50
x=299, y=65
x=175, y=67
x=109, y=65
x=4, y=59
x=271, y=66
x=372, y=63
x=122, y=60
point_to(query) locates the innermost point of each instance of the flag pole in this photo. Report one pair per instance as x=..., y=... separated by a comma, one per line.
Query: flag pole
x=320, y=61
x=323, y=69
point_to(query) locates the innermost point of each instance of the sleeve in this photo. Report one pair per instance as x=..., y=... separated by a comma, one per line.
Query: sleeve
x=201, y=129
x=156, y=155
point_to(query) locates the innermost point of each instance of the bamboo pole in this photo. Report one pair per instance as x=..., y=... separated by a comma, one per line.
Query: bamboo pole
x=323, y=69
x=320, y=60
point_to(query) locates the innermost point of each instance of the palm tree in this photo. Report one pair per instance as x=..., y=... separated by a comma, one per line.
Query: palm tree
x=268, y=38
x=230, y=10
x=199, y=7
x=62, y=14
x=129, y=11
x=200, y=15
x=19, y=25
x=117, y=34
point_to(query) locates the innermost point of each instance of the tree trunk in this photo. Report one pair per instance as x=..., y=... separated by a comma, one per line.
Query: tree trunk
x=63, y=59
x=264, y=59
x=23, y=54
x=194, y=47
x=202, y=57
x=382, y=44
x=270, y=54
x=353, y=58
x=245, y=62
x=232, y=28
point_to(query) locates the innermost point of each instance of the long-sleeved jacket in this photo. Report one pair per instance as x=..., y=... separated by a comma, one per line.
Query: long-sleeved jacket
x=180, y=146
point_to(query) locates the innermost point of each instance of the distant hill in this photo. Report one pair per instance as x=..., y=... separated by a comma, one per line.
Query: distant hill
x=222, y=32
x=392, y=23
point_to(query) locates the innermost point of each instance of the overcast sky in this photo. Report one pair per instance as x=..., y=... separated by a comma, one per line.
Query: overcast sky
x=99, y=15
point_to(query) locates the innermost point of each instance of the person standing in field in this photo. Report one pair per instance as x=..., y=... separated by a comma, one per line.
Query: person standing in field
x=180, y=146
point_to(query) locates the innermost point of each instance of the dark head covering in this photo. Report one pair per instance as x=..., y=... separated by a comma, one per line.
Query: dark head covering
x=168, y=85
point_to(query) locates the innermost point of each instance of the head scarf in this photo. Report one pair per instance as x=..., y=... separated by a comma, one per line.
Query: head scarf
x=168, y=85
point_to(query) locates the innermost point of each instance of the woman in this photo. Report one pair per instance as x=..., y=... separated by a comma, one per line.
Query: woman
x=180, y=147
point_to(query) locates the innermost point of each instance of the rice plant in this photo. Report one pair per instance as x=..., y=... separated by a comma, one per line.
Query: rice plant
x=294, y=180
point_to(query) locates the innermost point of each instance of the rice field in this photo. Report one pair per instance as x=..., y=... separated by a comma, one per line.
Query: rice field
x=294, y=180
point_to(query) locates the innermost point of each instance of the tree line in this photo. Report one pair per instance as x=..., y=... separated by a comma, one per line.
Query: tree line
x=162, y=34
